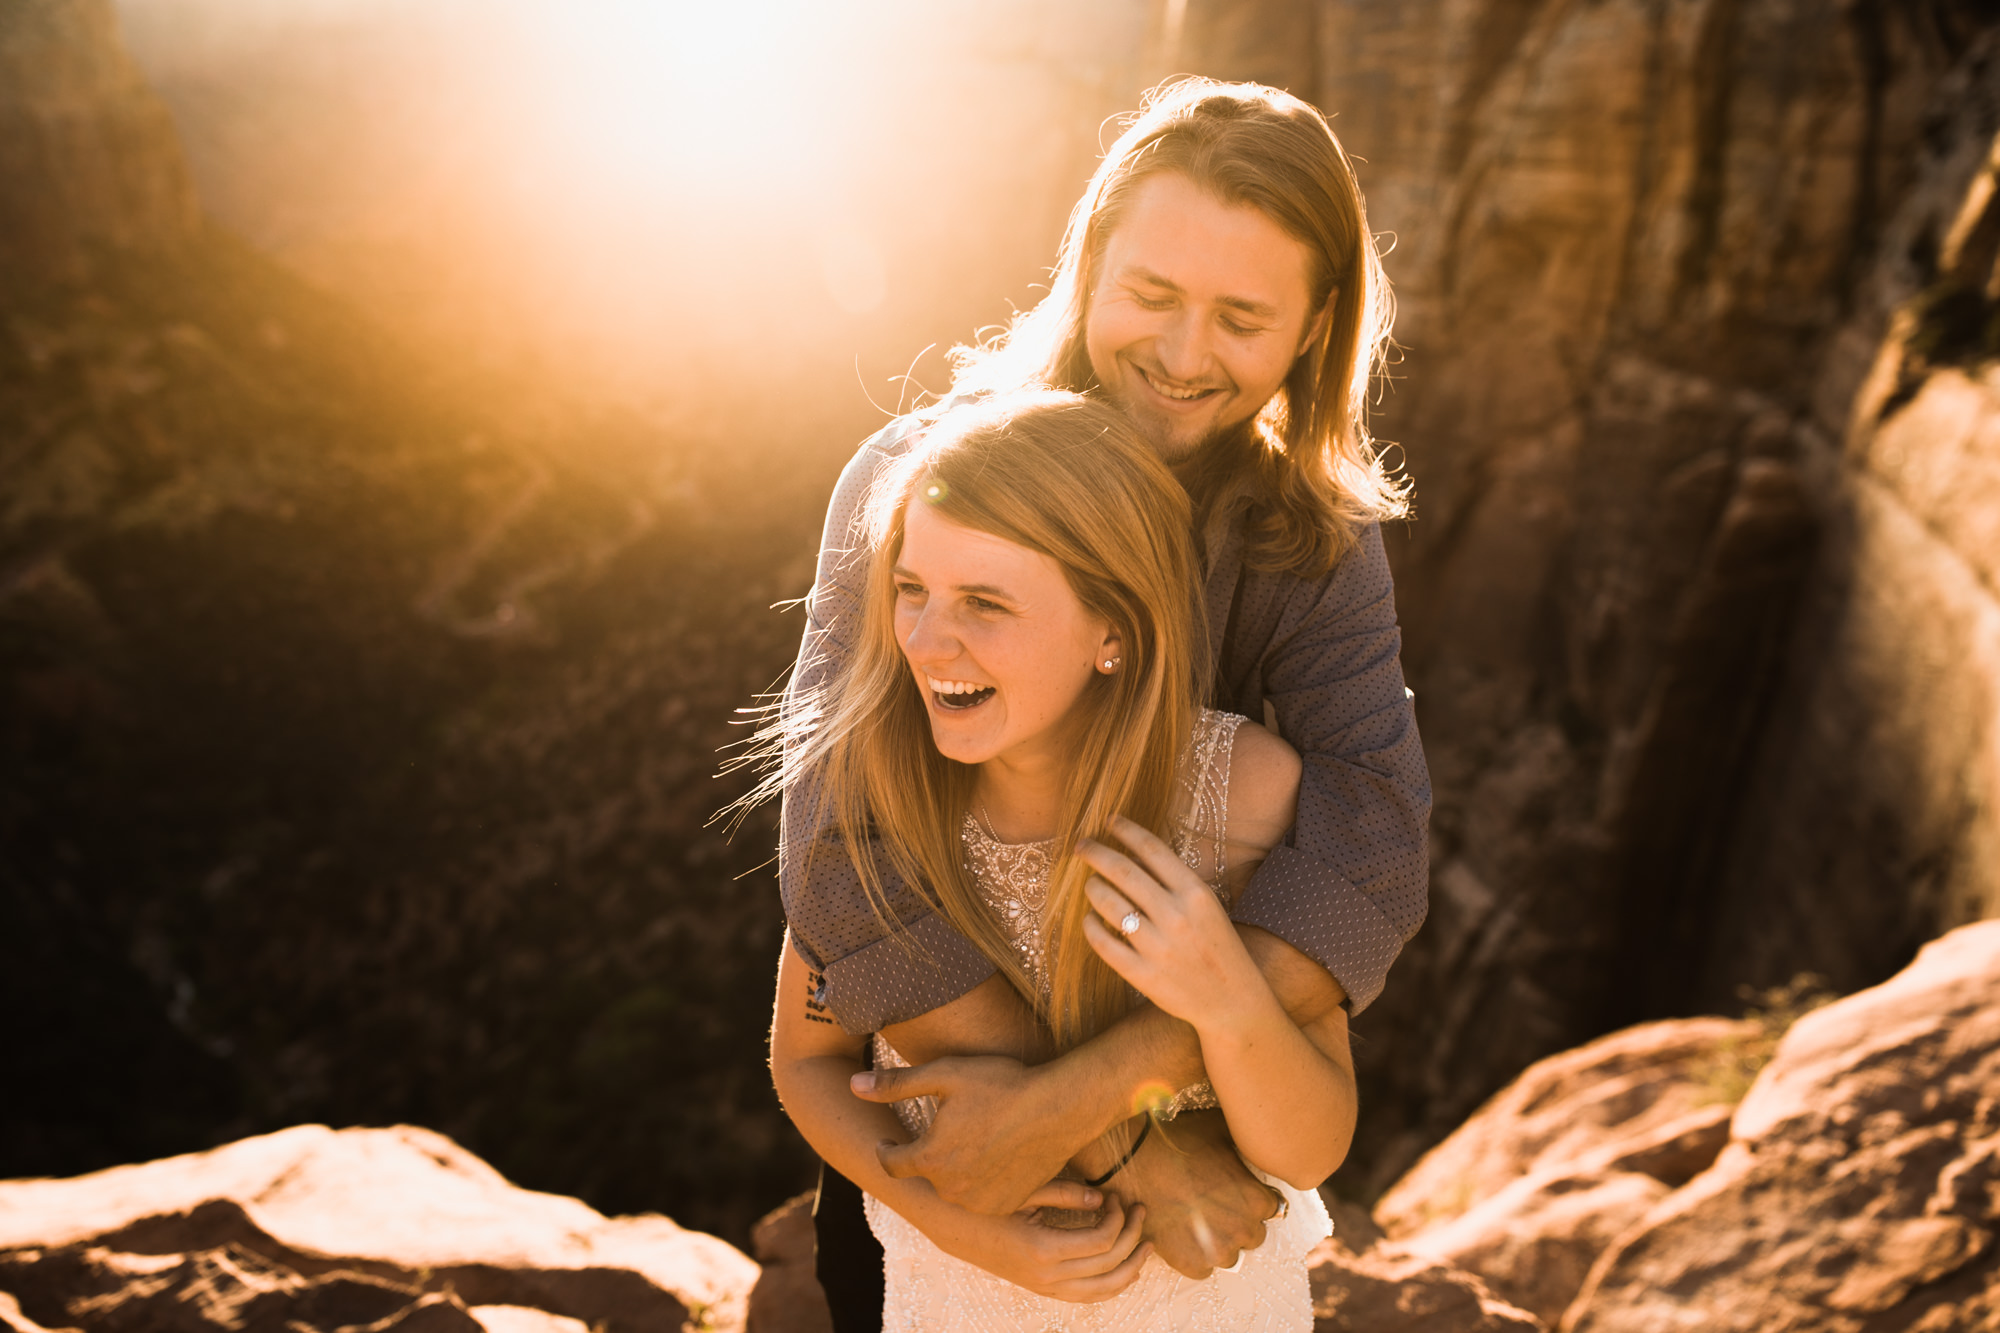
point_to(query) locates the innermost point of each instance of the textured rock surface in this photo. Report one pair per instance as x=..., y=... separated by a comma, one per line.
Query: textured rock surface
x=1383, y=1292
x=1861, y=1185
x=1705, y=679
x=1545, y=1176
x=87, y=151
x=347, y=1228
x=1876, y=801
x=787, y=1297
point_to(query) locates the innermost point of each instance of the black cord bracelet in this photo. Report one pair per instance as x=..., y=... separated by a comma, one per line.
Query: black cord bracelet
x=1124, y=1161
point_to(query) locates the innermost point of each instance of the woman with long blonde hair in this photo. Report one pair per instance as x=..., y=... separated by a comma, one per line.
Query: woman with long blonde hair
x=1021, y=733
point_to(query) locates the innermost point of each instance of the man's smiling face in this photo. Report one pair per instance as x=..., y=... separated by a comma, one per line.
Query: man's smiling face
x=1197, y=312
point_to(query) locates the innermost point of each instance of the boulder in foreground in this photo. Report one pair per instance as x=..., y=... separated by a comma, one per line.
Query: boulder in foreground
x=1381, y=1291
x=1553, y=1169
x=1860, y=1188
x=317, y=1229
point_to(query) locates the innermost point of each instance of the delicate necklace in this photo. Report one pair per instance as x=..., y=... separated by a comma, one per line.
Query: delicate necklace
x=988, y=820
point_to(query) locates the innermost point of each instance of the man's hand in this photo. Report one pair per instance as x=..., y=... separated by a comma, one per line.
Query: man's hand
x=1203, y=1207
x=998, y=1136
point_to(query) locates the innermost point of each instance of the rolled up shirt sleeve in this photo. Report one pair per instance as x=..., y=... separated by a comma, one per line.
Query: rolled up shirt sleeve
x=873, y=977
x=1350, y=887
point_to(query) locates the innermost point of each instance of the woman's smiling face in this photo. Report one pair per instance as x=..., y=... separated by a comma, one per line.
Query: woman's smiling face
x=1000, y=645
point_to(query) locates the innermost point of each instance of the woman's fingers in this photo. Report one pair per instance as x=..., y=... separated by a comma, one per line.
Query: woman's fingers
x=1110, y=904
x=1117, y=1236
x=1115, y=950
x=1064, y=1194
x=1128, y=877
x=1089, y=1290
x=1152, y=852
x=1062, y=1246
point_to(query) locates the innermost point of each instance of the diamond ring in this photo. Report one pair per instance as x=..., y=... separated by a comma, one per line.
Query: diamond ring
x=1129, y=923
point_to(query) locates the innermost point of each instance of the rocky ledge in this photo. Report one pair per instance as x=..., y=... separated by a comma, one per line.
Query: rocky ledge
x=1837, y=1173
x=313, y=1229
x=1710, y=1174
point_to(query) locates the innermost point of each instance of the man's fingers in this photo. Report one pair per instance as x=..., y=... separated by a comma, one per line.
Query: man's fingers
x=895, y=1085
x=900, y=1160
x=1184, y=1253
x=1065, y=1194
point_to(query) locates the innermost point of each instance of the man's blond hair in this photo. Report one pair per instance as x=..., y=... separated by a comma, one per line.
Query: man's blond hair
x=1307, y=457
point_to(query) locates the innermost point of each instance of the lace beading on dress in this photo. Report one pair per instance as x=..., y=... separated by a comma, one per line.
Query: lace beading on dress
x=927, y=1289
x=1015, y=879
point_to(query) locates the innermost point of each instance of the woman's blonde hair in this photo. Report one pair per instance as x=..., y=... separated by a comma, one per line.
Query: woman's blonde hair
x=1308, y=456
x=1070, y=478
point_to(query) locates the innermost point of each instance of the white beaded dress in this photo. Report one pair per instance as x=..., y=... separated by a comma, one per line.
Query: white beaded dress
x=927, y=1289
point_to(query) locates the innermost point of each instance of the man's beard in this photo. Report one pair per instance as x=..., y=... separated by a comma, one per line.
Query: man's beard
x=1216, y=458
x=1178, y=451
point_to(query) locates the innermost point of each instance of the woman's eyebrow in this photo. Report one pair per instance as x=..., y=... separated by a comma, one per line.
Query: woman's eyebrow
x=977, y=589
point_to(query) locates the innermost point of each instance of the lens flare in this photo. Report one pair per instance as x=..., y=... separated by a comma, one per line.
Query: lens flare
x=1152, y=1097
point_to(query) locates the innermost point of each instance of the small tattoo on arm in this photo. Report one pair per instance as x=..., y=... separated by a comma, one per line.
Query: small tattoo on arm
x=815, y=1006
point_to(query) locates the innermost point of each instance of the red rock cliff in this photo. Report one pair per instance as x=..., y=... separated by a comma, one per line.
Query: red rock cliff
x=1700, y=602
x=87, y=151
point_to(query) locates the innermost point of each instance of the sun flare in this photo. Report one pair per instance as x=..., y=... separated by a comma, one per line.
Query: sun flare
x=652, y=97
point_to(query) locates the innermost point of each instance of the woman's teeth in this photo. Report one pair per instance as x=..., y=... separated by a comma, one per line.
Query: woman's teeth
x=958, y=693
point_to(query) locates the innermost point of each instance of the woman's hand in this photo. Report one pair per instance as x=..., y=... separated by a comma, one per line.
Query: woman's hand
x=1084, y=1266
x=1182, y=952
x=1288, y=1095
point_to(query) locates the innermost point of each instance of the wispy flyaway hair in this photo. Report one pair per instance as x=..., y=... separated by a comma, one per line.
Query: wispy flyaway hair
x=1308, y=456
x=1068, y=477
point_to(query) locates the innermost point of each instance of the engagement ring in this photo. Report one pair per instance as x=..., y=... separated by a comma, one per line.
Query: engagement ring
x=1129, y=923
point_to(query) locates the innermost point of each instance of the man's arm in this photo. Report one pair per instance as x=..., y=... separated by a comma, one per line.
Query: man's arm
x=870, y=980
x=1008, y=1124
x=811, y=1058
x=1350, y=887
x=1005, y=1127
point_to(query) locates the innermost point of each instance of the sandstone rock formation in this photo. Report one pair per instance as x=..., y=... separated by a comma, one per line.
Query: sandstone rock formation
x=787, y=1297
x=1622, y=1187
x=396, y=1228
x=1861, y=1184
x=1875, y=802
x=87, y=151
x=1384, y=1292
x=1700, y=617
x=1544, y=1177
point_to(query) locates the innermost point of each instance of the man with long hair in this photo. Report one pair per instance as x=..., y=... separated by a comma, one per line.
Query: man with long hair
x=1219, y=285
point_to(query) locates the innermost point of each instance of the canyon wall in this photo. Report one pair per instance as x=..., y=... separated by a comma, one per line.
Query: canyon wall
x=87, y=150
x=1699, y=600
